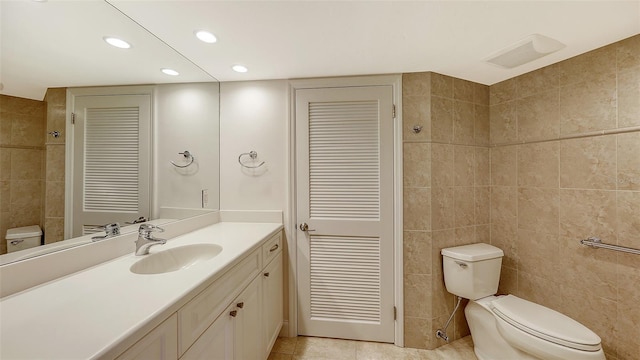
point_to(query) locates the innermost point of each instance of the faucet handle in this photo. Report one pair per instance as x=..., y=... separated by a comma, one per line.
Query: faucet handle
x=112, y=229
x=146, y=229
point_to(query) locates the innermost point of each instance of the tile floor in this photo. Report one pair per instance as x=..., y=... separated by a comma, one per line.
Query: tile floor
x=310, y=348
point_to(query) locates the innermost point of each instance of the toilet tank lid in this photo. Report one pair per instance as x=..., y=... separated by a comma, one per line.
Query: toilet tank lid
x=473, y=252
x=23, y=232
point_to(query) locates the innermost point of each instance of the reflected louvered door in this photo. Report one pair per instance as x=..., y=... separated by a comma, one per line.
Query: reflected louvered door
x=344, y=168
x=111, y=160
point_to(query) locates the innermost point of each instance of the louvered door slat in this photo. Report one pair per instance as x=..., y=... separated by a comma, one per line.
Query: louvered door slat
x=339, y=263
x=111, y=161
x=344, y=133
x=91, y=229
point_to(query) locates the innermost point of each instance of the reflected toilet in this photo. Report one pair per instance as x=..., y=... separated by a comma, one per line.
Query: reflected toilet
x=23, y=238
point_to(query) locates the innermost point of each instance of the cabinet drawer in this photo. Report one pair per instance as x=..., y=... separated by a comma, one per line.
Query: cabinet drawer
x=196, y=316
x=272, y=248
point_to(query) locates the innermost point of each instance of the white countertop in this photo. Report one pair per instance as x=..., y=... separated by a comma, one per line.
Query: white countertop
x=87, y=314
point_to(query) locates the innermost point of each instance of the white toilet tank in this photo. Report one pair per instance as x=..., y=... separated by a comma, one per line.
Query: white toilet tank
x=472, y=271
x=23, y=238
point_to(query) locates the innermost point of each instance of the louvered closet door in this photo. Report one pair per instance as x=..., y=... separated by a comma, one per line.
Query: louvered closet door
x=111, y=160
x=344, y=152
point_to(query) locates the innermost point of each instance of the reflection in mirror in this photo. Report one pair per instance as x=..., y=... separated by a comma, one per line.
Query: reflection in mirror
x=44, y=62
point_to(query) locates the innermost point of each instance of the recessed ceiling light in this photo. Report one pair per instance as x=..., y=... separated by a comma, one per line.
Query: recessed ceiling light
x=206, y=36
x=240, y=68
x=119, y=43
x=170, y=72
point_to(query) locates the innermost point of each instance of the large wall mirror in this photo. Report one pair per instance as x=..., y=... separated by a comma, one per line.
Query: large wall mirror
x=53, y=58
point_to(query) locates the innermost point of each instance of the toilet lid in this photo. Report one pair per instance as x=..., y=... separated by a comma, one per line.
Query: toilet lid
x=545, y=323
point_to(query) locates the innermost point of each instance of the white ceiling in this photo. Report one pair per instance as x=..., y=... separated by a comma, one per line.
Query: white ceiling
x=59, y=44
x=295, y=39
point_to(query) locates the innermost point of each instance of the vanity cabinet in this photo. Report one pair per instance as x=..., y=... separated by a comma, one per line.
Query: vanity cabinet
x=198, y=314
x=234, y=334
x=160, y=343
x=237, y=317
x=248, y=328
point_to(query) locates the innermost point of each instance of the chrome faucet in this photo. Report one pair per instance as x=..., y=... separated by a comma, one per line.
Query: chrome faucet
x=145, y=240
x=110, y=231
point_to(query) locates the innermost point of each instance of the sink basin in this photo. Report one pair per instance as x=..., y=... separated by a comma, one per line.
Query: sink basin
x=175, y=259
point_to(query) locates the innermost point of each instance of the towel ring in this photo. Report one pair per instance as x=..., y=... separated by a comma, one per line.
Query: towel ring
x=187, y=155
x=253, y=155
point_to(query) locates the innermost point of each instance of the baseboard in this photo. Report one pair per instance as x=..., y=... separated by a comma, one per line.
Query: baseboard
x=284, y=330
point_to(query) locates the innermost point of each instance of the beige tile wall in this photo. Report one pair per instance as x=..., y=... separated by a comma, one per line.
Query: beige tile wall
x=32, y=164
x=556, y=179
x=22, y=127
x=446, y=193
x=553, y=159
x=55, y=100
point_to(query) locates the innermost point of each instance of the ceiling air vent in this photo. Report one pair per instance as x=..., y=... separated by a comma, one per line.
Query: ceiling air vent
x=526, y=50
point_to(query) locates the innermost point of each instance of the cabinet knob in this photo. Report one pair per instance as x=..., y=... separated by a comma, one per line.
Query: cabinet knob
x=240, y=305
x=266, y=274
x=233, y=313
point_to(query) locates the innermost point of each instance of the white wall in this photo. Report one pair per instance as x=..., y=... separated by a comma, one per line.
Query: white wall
x=186, y=118
x=254, y=116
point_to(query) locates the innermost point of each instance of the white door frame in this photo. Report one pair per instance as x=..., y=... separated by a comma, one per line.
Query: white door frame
x=395, y=81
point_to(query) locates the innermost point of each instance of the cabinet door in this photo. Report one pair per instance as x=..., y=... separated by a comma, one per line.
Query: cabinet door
x=272, y=303
x=197, y=315
x=161, y=343
x=248, y=330
x=217, y=342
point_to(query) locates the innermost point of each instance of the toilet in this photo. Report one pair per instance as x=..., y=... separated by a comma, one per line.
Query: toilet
x=23, y=238
x=505, y=326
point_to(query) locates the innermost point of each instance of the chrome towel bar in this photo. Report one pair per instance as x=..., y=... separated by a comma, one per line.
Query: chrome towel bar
x=595, y=242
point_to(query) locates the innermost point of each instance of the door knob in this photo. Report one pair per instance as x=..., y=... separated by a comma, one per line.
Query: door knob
x=305, y=227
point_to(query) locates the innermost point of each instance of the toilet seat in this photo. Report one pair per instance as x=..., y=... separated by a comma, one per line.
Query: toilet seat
x=544, y=323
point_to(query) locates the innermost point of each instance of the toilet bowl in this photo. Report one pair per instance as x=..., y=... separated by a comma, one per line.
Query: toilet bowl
x=508, y=327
